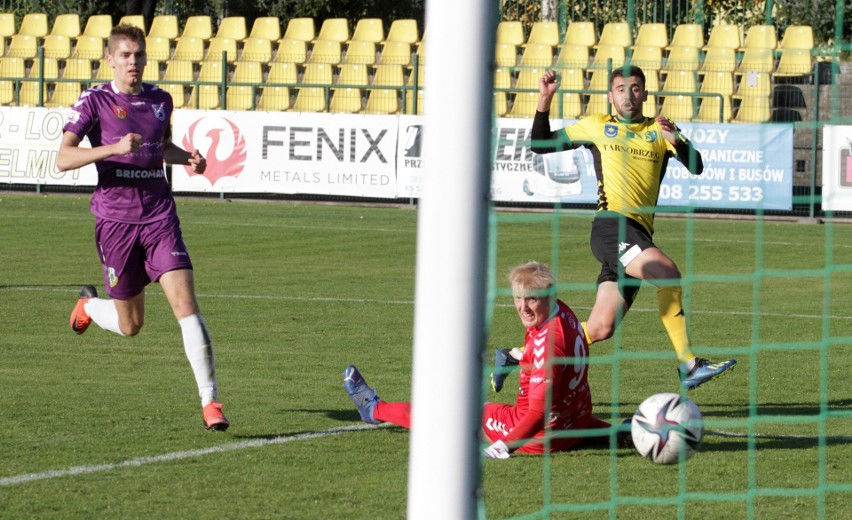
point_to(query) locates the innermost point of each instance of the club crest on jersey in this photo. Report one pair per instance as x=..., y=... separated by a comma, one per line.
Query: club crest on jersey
x=159, y=111
x=119, y=111
x=651, y=136
x=610, y=130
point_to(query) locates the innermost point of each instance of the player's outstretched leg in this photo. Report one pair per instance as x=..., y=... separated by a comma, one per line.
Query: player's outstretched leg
x=703, y=371
x=214, y=419
x=362, y=395
x=80, y=319
x=504, y=363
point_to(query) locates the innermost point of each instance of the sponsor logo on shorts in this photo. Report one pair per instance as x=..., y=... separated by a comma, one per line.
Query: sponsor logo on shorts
x=180, y=253
x=113, y=278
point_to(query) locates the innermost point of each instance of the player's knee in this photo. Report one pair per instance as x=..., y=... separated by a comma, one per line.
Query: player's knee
x=131, y=328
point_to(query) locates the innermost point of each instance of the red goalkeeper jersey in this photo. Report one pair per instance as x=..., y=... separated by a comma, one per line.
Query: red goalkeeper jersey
x=561, y=336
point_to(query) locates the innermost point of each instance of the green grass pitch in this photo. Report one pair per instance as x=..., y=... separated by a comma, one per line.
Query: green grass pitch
x=99, y=426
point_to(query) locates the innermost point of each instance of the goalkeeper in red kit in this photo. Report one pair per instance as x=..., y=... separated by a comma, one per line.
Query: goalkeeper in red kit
x=552, y=332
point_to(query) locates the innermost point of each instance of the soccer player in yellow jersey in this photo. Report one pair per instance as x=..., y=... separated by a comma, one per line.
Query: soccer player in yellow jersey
x=630, y=155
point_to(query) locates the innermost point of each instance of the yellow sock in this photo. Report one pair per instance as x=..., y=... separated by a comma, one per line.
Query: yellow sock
x=586, y=333
x=670, y=303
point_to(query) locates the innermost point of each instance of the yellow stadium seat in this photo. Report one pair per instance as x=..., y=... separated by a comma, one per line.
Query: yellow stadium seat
x=688, y=35
x=652, y=35
x=760, y=37
x=317, y=74
x=572, y=103
x=754, y=84
x=359, y=51
x=537, y=55
x=756, y=59
x=396, y=53
x=233, y=27
x=34, y=24
x=573, y=55
x=794, y=63
x=274, y=99
x=718, y=82
x=217, y=46
x=67, y=25
x=152, y=71
x=189, y=48
x=291, y=50
x=726, y=36
x=66, y=93
x=652, y=81
x=57, y=46
x=310, y=99
x=90, y=47
x=281, y=72
x=334, y=29
x=353, y=74
x=719, y=59
x=300, y=29
x=136, y=20
x=510, y=32
x=580, y=33
x=502, y=78
x=208, y=97
x=383, y=101
x=798, y=37
x=158, y=48
x=268, y=27
x=98, y=25
x=29, y=93
x=753, y=109
x=198, y=27
x=615, y=33
x=598, y=104
x=501, y=104
x=604, y=55
x=505, y=55
x=242, y=97
x=599, y=80
x=649, y=107
x=257, y=49
x=325, y=51
x=544, y=33
x=105, y=72
x=10, y=67
x=23, y=46
x=403, y=30
x=647, y=57
x=7, y=25
x=181, y=71
x=524, y=105
x=164, y=26
x=681, y=81
x=369, y=30
x=389, y=75
x=709, y=111
x=410, y=107
x=682, y=58
x=677, y=108
x=346, y=100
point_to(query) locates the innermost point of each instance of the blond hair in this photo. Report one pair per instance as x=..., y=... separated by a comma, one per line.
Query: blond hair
x=531, y=278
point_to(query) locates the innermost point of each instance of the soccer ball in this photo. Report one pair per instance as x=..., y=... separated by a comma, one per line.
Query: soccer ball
x=664, y=426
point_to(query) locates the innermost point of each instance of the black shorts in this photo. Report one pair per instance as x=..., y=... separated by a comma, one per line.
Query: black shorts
x=613, y=244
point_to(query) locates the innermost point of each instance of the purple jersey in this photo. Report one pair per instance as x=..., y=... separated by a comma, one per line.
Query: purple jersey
x=131, y=188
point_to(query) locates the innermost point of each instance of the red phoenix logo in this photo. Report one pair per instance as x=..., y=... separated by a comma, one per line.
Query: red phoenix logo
x=235, y=158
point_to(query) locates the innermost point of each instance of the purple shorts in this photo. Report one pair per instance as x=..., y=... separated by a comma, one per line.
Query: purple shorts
x=134, y=255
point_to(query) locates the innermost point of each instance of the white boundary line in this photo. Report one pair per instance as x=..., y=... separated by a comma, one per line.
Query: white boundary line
x=180, y=455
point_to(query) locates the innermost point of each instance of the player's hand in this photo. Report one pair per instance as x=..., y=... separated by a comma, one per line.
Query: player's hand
x=130, y=143
x=548, y=83
x=670, y=130
x=498, y=450
x=197, y=162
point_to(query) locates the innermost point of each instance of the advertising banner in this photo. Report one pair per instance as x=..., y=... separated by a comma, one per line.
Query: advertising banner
x=270, y=152
x=29, y=142
x=745, y=167
x=837, y=168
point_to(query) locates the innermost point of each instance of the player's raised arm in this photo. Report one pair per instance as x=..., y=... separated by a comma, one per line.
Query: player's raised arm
x=174, y=154
x=71, y=156
x=686, y=153
x=543, y=139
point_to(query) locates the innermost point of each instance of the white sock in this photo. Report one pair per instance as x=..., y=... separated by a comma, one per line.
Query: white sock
x=199, y=352
x=104, y=313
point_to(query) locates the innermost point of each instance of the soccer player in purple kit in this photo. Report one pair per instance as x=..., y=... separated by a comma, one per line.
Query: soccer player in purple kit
x=137, y=231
